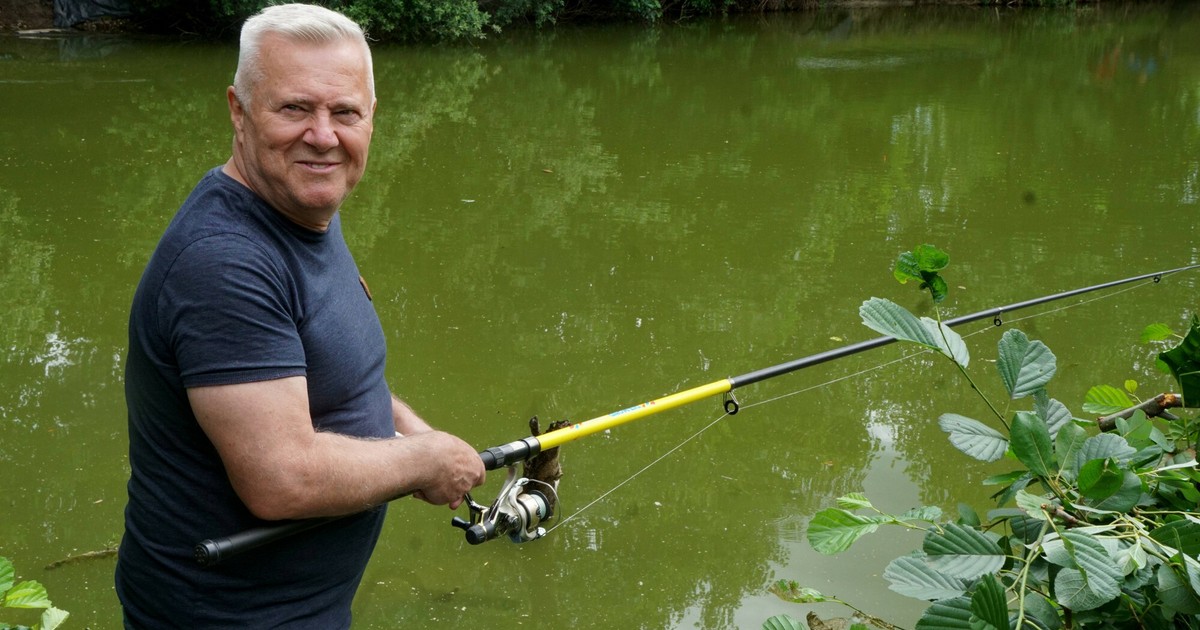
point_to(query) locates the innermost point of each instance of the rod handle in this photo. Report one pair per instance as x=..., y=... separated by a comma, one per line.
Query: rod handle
x=212, y=551
x=511, y=453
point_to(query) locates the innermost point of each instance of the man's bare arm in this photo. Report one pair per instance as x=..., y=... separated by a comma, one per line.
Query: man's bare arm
x=283, y=469
x=406, y=420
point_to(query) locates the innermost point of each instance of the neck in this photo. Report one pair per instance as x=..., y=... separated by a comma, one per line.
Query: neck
x=317, y=224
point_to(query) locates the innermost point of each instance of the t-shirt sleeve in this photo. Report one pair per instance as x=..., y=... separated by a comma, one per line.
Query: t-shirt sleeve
x=228, y=311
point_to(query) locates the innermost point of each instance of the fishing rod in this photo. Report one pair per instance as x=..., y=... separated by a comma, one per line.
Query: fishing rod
x=521, y=506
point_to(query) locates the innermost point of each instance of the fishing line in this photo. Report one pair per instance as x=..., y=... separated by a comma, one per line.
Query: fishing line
x=719, y=418
x=901, y=359
x=634, y=475
x=1081, y=302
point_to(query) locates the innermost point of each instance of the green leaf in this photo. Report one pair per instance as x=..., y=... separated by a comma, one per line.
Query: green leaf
x=27, y=594
x=973, y=437
x=1136, y=429
x=854, y=501
x=912, y=576
x=950, y=614
x=783, y=622
x=907, y=268
x=1184, y=362
x=1175, y=589
x=923, y=264
x=1005, y=478
x=889, y=318
x=949, y=343
x=1130, y=558
x=937, y=288
x=1106, y=399
x=1125, y=498
x=790, y=590
x=1031, y=444
x=1055, y=414
x=927, y=513
x=1160, y=440
x=962, y=552
x=967, y=516
x=1161, y=366
x=1106, y=445
x=1042, y=610
x=1027, y=530
x=1067, y=445
x=1183, y=535
x=930, y=258
x=1025, y=366
x=1071, y=590
x=52, y=618
x=833, y=530
x=1100, y=478
x=1091, y=577
x=1093, y=558
x=989, y=605
x=6, y=575
x=1157, y=332
x=1031, y=504
x=1008, y=494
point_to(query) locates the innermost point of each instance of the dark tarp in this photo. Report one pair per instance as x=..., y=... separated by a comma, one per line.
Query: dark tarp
x=68, y=13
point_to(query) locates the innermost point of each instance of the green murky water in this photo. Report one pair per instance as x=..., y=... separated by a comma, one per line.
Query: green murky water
x=569, y=224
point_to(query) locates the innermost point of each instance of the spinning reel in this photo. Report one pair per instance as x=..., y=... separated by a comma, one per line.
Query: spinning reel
x=518, y=511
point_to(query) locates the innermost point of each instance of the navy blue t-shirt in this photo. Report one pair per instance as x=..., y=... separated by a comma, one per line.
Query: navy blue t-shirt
x=237, y=293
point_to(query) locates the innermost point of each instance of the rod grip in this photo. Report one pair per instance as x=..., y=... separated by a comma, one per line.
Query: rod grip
x=511, y=453
x=213, y=550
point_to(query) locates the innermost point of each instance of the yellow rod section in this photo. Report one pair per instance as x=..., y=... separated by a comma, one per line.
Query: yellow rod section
x=617, y=418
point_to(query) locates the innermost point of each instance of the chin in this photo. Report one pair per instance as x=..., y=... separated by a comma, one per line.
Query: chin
x=328, y=201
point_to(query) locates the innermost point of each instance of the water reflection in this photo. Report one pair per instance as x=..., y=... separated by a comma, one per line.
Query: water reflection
x=571, y=223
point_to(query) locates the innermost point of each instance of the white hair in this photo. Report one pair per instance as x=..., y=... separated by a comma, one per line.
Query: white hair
x=306, y=23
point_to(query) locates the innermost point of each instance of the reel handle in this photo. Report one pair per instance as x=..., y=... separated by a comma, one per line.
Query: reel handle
x=477, y=533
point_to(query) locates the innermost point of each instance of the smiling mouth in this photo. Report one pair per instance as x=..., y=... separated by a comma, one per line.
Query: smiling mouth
x=318, y=167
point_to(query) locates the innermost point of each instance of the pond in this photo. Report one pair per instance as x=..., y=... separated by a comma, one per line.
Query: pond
x=569, y=223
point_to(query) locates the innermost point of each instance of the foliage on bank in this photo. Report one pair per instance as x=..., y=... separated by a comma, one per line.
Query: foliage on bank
x=456, y=20
x=1097, y=525
x=437, y=20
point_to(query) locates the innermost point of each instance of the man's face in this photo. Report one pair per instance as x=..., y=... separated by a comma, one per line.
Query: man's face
x=301, y=143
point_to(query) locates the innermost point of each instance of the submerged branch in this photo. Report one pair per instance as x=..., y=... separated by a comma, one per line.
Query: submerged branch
x=88, y=555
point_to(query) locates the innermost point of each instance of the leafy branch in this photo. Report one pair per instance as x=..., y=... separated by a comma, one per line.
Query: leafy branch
x=1095, y=529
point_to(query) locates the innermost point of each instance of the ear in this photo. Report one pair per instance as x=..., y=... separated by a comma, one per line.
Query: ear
x=236, y=111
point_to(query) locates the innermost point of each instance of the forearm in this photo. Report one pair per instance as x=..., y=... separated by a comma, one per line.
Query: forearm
x=282, y=469
x=406, y=420
x=336, y=475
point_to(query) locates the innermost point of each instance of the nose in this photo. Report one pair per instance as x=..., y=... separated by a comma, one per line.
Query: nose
x=321, y=134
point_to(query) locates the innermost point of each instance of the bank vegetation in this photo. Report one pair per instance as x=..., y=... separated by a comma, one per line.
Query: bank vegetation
x=456, y=20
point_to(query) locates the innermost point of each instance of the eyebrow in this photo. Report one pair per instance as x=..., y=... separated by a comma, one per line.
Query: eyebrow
x=305, y=101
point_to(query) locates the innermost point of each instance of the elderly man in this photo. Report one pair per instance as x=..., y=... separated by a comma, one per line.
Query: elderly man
x=255, y=374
